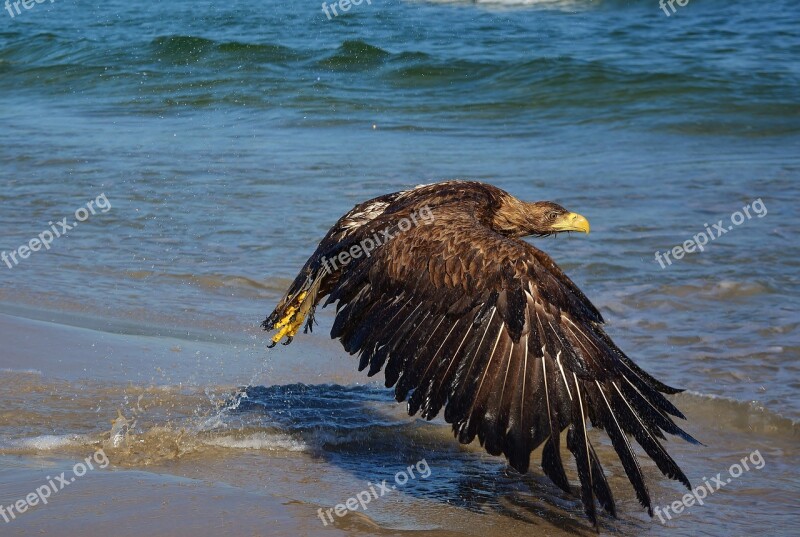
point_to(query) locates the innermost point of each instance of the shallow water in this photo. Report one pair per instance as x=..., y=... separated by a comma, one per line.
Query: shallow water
x=228, y=138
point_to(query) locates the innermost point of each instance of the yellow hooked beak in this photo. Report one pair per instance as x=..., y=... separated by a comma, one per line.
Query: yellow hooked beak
x=571, y=222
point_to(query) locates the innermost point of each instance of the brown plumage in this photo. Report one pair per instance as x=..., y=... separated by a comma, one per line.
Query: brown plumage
x=462, y=314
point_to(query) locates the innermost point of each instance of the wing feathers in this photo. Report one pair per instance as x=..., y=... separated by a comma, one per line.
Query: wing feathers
x=523, y=384
x=578, y=444
x=649, y=443
x=511, y=350
x=623, y=448
x=551, y=456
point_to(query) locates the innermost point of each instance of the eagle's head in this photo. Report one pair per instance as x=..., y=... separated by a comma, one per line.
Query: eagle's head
x=517, y=218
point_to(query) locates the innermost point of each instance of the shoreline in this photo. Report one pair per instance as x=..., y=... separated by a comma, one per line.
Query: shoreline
x=196, y=468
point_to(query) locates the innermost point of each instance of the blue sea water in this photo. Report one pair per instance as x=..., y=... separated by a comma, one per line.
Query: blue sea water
x=228, y=136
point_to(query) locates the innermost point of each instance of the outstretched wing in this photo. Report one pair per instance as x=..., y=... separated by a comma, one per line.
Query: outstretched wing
x=490, y=328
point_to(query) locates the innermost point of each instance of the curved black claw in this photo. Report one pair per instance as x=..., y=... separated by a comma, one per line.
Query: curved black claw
x=288, y=340
x=273, y=344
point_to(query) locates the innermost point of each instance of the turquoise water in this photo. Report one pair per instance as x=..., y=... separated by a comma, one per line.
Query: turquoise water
x=227, y=138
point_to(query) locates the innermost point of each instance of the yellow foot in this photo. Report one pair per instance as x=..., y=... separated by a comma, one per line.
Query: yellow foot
x=290, y=324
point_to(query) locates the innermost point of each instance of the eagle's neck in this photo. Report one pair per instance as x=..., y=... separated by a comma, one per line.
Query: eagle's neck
x=512, y=217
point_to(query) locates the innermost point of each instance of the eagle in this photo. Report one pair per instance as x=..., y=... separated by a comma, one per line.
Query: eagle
x=435, y=286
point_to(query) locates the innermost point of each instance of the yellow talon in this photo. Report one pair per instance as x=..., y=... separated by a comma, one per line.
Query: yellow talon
x=287, y=318
x=291, y=310
x=288, y=330
x=290, y=324
x=295, y=327
x=277, y=337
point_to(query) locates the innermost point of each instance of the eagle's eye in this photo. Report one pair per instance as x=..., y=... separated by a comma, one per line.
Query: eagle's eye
x=552, y=215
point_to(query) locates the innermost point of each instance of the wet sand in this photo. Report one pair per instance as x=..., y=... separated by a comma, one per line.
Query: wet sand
x=187, y=462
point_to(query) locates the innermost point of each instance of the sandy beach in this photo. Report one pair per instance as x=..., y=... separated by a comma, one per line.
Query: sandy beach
x=186, y=462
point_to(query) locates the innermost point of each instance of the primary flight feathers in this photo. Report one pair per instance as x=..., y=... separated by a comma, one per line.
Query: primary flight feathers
x=462, y=314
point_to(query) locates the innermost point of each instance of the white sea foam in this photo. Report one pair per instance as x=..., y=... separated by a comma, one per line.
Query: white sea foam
x=261, y=441
x=21, y=371
x=49, y=442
